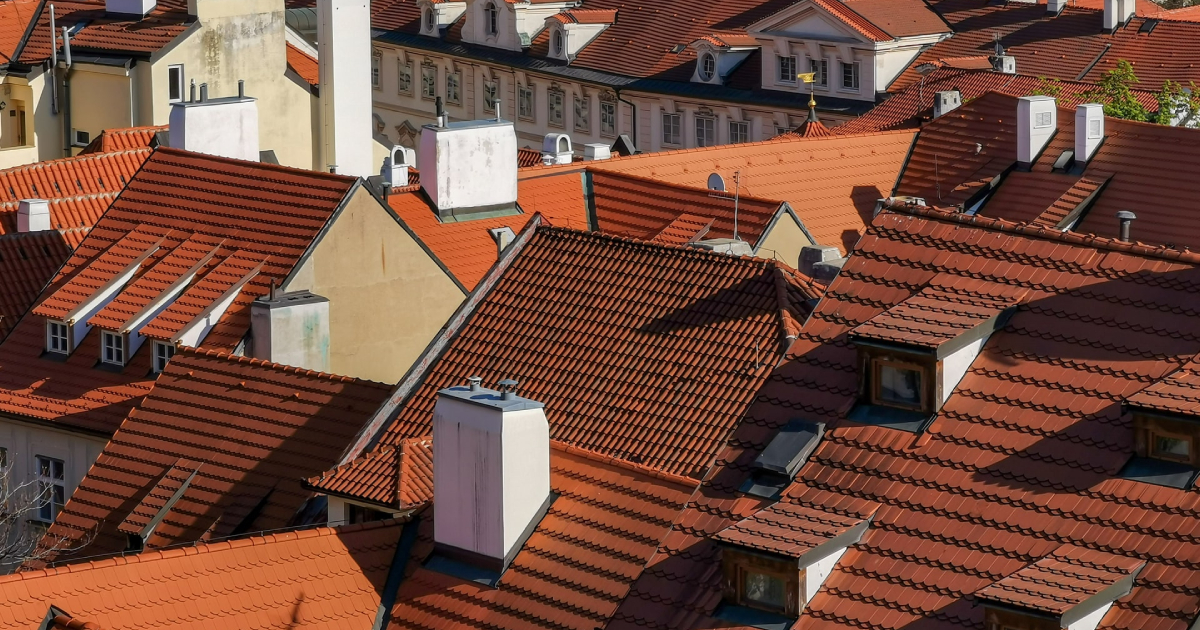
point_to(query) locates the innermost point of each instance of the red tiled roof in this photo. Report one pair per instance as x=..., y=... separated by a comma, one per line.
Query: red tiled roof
x=260, y=209
x=641, y=208
x=1166, y=53
x=107, y=34
x=324, y=579
x=15, y=17
x=1022, y=458
x=587, y=16
x=937, y=314
x=1186, y=14
x=79, y=188
x=831, y=183
x=304, y=65
x=910, y=107
x=730, y=39
x=576, y=566
x=899, y=19
x=1179, y=393
x=1062, y=580
x=1025, y=196
x=467, y=248
x=684, y=229
x=111, y=140
x=410, y=462
x=793, y=529
x=812, y=129
x=250, y=430
x=639, y=351
x=857, y=21
x=27, y=263
x=1076, y=195
x=528, y=157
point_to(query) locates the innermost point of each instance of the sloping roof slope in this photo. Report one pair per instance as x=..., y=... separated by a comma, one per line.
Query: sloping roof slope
x=325, y=579
x=1179, y=393
x=250, y=430
x=260, y=209
x=303, y=65
x=79, y=188
x=102, y=32
x=649, y=353
x=1023, y=457
x=111, y=140
x=27, y=263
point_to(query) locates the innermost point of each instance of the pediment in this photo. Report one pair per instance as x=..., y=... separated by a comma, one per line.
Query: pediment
x=808, y=20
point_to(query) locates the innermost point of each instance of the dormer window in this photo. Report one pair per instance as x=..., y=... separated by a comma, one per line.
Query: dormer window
x=491, y=19
x=779, y=462
x=556, y=43
x=162, y=354
x=786, y=69
x=58, y=337
x=913, y=355
x=427, y=20
x=112, y=348
x=708, y=66
x=1166, y=430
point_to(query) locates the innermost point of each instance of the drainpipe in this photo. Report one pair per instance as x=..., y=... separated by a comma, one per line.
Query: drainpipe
x=66, y=100
x=632, y=118
x=53, y=64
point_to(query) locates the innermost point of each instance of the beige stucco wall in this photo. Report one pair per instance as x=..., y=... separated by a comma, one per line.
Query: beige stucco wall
x=44, y=140
x=242, y=39
x=387, y=297
x=101, y=98
x=784, y=240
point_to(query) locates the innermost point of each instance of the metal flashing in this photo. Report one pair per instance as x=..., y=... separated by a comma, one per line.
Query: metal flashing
x=880, y=416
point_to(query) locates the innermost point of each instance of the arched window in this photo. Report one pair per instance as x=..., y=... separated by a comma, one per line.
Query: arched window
x=564, y=145
x=427, y=19
x=557, y=43
x=492, y=18
x=708, y=66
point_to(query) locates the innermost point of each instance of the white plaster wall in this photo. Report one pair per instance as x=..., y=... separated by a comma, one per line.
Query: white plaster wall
x=25, y=441
x=491, y=474
x=955, y=366
x=453, y=162
x=1091, y=621
x=818, y=571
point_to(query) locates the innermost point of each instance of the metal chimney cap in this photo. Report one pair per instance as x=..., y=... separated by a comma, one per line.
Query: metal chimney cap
x=508, y=389
x=1126, y=215
x=475, y=381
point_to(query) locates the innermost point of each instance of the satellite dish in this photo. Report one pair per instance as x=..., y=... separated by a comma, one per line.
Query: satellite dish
x=715, y=182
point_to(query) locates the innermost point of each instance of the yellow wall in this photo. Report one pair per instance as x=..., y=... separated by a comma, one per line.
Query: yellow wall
x=784, y=241
x=387, y=297
x=100, y=98
x=17, y=136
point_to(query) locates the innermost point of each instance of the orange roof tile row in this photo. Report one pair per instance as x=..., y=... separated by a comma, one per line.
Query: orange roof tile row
x=587, y=16
x=259, y=209
x=410, y=463
x=304, y=65
x=103, y=32
x=936, y=315
x=1064, y=579
x=111, y=140
x=1023, y=457
x=793, y=529
x=72, y=177
x=27, y=263
x=251, y=431
x=1179, y=393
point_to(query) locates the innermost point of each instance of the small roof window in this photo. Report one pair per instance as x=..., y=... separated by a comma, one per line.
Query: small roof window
x=779, y=462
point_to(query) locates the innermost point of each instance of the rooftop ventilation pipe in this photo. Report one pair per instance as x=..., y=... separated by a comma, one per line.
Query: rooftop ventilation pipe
x=1126, y=218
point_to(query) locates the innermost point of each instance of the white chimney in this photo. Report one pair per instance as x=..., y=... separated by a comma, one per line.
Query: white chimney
x=469, y=168
x=556, y=149
x=344, y=58
x=291, y=329
x=1089, y=130
x=396, y=165
x=227, y=126
x=33, y=215
x=596, y=151
x=129, y=7
x=1037, y=120
x=1054, y=7
x=1117, y=13
x=946, y=102
x=491, y=472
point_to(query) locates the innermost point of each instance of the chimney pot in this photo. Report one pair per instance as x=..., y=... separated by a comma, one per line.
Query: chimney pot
x=192, y=96
x=203, y=92
x=475, y=381
x=508, y=389
x=241, y=88
x=1126, y=218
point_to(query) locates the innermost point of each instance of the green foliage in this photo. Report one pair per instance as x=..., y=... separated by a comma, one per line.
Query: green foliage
x=1115, y=91
x=1048, y=87
x=1178, y=105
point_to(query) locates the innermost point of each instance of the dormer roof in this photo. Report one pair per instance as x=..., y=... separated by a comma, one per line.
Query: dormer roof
x=941, y=318
x=1068, y=584
x=1177, y=394
x=586, y=16
x=729, y=40
x=801, y=530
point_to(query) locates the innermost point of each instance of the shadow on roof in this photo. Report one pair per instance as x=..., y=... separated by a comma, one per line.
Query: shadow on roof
x=729, y=304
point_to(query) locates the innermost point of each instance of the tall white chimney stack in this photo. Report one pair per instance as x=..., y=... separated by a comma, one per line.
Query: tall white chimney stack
x=344, y=58
x=226, y=126
x=491, y=472
x=1089, y=130
x=1037, y=120
x=469, y=168
x=1117, y=13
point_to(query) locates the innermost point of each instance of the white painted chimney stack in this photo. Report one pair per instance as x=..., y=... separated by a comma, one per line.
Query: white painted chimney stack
x=129, y=7
x=1055, y=7
x=1089, y=130
x=344, y=58
x=33, y=215
x=395, y=167
x=556, y=149
x=1037, y=120
x=291, y=329
x=491, y=472
x=469, y=168
x=1117, y=13
x=227, y=126
x=946, y=102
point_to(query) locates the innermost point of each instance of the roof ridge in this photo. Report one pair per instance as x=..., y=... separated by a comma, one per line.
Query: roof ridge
x=221, y=354
x=628, y=240
x=663, y=184
x=75, y=158
x=200, y=547
x=264, y=165
x=616, y=462
x=1136, y=248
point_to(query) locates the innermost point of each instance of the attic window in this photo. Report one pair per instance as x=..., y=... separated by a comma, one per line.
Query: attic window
x=761, y=583
x=556, y=41
x=112, y=348
x=427, y=19
x=58, y=337
x=708, y=66
x=491, y=17
x=900, y=383
x=678, y=48
x=779, y=462
x=162, y=354
x=1167, y=438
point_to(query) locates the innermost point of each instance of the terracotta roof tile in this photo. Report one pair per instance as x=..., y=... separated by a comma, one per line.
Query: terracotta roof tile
x=410, y=463
x=325, y=579
x=15, y=17
x=528, y=157
x=587, y=16
x=793, y=529
x=683, y=230
x=834, y=194
x=1178, y=393
x=79, y=188
x=899, y=19
x=1022, y=458
x=936, y=314
x=250, y=430
x=304, y=65
x=1072, y=199
x=103, y=33
x=730, y=39
x=1062, y=580
x=112, y=140
x=27, y=263
x=639, y=351
x=259, y=209
x=1025, y=196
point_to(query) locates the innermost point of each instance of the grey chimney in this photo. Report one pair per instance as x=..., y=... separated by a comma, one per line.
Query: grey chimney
x=1126, y=218
x=946, y=102
x=291, y=329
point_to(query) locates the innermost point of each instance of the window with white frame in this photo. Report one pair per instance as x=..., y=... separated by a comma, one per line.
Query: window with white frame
x=739, y=132
x=403, y=78
x=672, y=128
x=51, y=487
x=706, y=131
x=428, y=82
x=583, y=118
x=820, y=70
x=708, y=66
x=175, y=83
x=57, y=337
x=489, y=96
x=376, y=65
x=556, y=43
x=786, y=69
x=491, y=18
x=454, y=87
x=81, y=138
x=427, y=22
x=162, y=354
x=525, y=102
x=608, y=118
x=112, y=348
x=850, y=75
x=554, y=100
